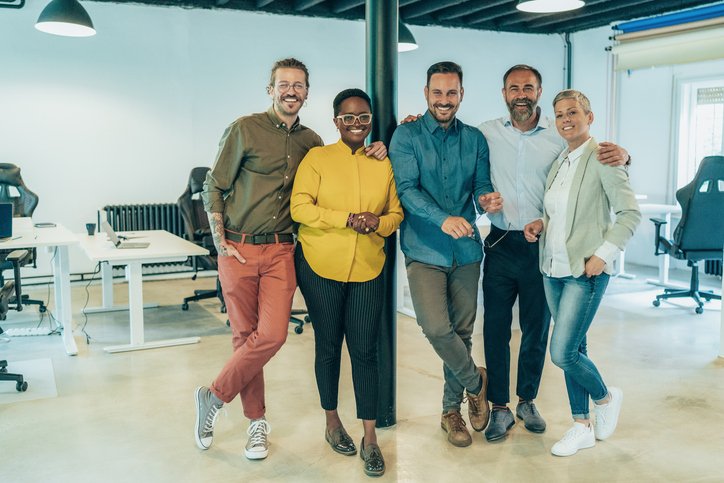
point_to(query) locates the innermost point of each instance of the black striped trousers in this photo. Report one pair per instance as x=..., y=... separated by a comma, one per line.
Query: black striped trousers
x=343, y=310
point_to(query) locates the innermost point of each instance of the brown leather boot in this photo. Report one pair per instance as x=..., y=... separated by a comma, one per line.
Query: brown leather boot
x=478, y=409
x=454, y=425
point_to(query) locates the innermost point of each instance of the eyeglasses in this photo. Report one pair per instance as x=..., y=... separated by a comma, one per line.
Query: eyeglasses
x=284, y=86
x=349, y=119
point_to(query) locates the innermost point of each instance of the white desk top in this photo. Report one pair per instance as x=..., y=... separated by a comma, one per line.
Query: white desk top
x=40, y=237
x=649, y=208
x=164, y=247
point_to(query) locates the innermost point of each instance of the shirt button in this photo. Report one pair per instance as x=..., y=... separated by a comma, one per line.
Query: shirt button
x=280, y=196
x=286, y=177
x=274, y=217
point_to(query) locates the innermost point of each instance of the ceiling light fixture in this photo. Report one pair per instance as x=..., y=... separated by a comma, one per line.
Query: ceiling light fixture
x=67, y=18
x=405, y=39
x=549, y=6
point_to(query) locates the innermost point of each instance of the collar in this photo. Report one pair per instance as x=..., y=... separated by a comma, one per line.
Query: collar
x=278, y=123
x=344, y=148
x=576, y=154
x=432, y=125
x=508, y=121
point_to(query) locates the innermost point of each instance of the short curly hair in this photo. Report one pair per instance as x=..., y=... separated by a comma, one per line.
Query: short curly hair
x=346, y=94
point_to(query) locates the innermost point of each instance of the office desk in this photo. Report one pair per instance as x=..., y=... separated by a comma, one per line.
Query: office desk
x=164, y=247
x=59, y=238
x=660, y=211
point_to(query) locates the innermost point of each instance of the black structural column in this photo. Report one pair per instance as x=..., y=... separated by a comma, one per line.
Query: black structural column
x=382, y=89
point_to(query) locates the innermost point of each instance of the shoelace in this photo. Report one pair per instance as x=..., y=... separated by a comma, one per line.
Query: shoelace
x=258, y=431
x=570, y=434
x=212, y=417
x=457, y=422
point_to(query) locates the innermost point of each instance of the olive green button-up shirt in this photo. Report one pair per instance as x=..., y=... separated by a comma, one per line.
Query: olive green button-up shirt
x=252, y=178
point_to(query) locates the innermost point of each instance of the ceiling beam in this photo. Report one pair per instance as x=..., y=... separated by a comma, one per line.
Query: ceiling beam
x=344, y=5
x=489, y=14
x=301, y=5
x=467, y=8
x=261, y=3
x=423, y=8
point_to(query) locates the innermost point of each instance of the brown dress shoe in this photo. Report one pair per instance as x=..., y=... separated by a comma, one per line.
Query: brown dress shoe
x=454, y=425
x=478, y=409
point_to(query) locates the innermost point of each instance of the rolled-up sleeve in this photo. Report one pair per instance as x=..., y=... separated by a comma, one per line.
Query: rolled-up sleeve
x=220, y=179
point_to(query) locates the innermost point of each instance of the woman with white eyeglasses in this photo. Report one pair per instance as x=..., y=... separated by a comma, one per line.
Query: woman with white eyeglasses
x=346, y=203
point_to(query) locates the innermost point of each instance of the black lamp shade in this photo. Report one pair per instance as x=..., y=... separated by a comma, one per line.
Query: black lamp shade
x=405, y=39
x=65, y=17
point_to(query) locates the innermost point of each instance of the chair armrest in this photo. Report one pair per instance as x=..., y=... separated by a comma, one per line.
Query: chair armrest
x=658, y=241
x=18, y=257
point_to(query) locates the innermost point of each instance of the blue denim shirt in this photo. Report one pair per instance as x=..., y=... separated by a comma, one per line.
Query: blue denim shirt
x=439, y=174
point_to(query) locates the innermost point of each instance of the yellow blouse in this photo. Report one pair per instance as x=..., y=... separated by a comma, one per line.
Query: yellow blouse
x=331, y=183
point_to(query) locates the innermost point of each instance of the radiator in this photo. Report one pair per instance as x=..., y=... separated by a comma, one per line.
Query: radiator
x=713, y=267
x=156, y=216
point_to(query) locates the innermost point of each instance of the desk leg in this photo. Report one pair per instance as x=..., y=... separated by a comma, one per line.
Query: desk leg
x=135, y=302
x=107, y=284
x=107, y=278
x=63, y=309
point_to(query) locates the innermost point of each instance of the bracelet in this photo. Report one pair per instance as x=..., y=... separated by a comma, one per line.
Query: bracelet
x=350, y=219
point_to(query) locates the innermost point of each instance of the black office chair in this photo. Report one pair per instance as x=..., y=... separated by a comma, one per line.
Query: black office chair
x=11, y=296
x=700, y=232
x=24, y=204
x=197, y=230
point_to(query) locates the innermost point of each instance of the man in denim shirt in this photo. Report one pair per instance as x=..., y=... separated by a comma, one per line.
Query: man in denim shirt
x=441, y=169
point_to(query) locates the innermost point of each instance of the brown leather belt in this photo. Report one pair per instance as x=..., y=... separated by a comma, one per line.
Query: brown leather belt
x=267, y=239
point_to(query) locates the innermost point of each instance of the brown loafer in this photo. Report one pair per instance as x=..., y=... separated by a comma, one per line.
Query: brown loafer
x=454, y=426
x=478, y=409
x=340, y=441
x=372, y=456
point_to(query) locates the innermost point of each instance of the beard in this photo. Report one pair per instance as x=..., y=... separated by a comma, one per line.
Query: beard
x=522, y=116
x=439, y=120
x=279, y=104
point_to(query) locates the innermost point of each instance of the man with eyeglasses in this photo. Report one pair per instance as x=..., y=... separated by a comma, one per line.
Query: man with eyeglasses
x=246, y=196
x=441, y=170
x=523, y=146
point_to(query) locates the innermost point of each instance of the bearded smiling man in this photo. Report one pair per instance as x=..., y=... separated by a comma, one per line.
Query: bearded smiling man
x=523, y=146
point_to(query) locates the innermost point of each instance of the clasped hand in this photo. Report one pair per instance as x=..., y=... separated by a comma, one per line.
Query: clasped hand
x=365, y=223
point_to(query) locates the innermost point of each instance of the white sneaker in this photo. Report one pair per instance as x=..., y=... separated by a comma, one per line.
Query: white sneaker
x=257, y=447
x=578, y=437
x=607, y=414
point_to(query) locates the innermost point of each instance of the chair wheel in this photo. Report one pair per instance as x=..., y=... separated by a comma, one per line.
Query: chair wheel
x=699, y=310
x=185, y=306
x=223, y=309
x=307, y=319
x=228, y=324
x=42, y=309
x=21, y=386
x=298, y=329
x=656, y=302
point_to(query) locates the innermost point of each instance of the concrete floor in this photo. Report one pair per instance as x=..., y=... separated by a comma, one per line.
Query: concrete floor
x=129, y=417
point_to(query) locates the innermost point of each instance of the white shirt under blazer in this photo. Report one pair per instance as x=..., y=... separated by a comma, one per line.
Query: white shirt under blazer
x=593, y=191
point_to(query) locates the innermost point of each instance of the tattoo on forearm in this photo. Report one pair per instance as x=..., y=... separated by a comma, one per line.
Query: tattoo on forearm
x=216, y=222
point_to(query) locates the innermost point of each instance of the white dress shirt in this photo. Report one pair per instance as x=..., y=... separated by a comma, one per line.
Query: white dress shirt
x=519, y=165
x=555, y=256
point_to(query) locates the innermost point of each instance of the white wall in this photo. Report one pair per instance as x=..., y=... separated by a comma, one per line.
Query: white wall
x=123, y=116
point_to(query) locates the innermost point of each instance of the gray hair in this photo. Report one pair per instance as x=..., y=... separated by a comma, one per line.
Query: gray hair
x=575, y=95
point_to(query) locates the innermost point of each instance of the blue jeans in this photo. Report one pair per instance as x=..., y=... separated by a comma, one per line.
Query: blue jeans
x=573, y=303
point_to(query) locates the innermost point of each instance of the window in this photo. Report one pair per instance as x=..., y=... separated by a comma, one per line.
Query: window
x=701, y=126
